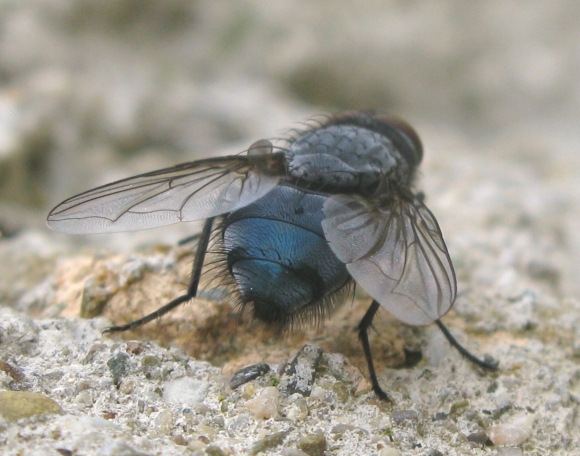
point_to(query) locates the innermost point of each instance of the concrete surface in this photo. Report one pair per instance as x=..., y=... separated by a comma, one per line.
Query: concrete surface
x=93, y=91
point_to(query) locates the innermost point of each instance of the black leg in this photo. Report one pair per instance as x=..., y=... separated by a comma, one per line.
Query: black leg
x=191, y=289
x=363, y=336
x=487, y=365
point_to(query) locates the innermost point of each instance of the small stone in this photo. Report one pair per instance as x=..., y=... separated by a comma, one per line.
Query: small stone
x=118, y=366
x=214, y=450
x=313, y=444
x=150, y=361
x=64, y=452
x=180, y=440
x=209, y=432
x=95, y=349
x=248, y=391
x=318, y=393
x=248, y=374
x=479, y=437
x=297, y=410
x=185, y=391
x=299, y=375
x=458, y=405
x=389, y=451
x=84, y=398
x=292, y=452
x=440, y=416
x=268, y=442
x=164, y=421
x=15, y=405
x=513, y=433
x=265, y=404
x=16, y=374
x=135, y=347
x=402, y=415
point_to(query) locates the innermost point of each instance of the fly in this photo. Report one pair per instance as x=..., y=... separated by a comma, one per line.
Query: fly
x=298, y=224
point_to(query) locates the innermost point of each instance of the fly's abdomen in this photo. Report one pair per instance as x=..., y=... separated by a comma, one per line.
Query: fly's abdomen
x=278, y=256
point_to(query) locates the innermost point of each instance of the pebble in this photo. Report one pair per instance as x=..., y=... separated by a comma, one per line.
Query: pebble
x=16, y=374
x=118, y=366
x=517, y=431
x=214, y=450
x=313, y=444
x=479, y=437
x=185, y=391
x=15, y=405
x=402, y=415
x=389, y=451
x=248, y=373
x=265, y=404
x=292, y=452
x=299, y=374
x=268, y=442
x=297, y=409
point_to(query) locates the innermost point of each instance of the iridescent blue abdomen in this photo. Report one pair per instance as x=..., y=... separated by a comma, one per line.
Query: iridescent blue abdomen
x=278, y=255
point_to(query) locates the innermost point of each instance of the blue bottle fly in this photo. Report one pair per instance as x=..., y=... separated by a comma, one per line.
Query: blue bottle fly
x=300, y=222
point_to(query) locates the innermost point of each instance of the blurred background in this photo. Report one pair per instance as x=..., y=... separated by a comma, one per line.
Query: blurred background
x=96, y=90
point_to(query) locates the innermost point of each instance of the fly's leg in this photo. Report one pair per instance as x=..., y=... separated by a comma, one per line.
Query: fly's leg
x=486, y=364
x=363, y=329
x=363, y=335
x=191, y=288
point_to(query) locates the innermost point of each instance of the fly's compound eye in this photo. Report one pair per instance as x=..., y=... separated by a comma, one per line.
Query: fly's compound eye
x=412, y=147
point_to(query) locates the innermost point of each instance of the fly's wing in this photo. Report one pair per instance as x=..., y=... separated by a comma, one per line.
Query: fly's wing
x=395, y=252
x=186, y=192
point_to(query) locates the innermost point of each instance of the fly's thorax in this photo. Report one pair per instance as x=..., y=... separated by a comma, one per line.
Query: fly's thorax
x=346, y=159
x=402, y=134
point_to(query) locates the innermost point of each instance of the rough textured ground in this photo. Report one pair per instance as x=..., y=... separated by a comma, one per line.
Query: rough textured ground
x=92, y=91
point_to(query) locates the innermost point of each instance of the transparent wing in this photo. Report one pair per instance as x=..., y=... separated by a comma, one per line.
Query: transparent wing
x=186, y=192
x=396, y=253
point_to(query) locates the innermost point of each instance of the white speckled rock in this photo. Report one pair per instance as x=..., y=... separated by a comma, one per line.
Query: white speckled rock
x=185, y=391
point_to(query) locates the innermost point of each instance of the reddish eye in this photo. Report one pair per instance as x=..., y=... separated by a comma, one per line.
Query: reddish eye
x=410, y=133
